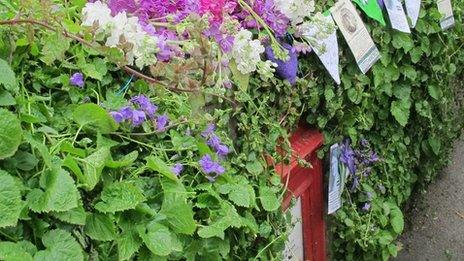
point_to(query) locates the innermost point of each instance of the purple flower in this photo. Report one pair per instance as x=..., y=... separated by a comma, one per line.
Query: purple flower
x=117, y=116
x=364, y=142
x=138, y=117
x=209, y=130
x=209, y=167
x=161, y=122
x=373, y=157
x=369, y=195
x=266, y=9
x=145, y=104
x=126, y=112
x=285, y=69
x=177, y=169
x=366, y=206
x=118, y=6
x=355, y=183
x=348, y=156
x=214, y=141
x=77, y=79
x=222, y=150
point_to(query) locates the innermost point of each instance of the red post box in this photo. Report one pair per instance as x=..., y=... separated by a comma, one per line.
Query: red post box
x=306, y=185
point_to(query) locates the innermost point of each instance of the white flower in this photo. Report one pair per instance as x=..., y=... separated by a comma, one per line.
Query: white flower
x=246, y=51
x=97, y=13
x=295, y=10
x=146, y=51
x=266, y=69
x=117, y=29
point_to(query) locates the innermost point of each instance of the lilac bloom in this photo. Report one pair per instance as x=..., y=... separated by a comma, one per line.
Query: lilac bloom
x=138, y=117
x=145, y=104
x=364, y=142
x=209, y=167
x=118, y=6
x=348, y=157
x=214, y=141
x=366, y=206
x=209, y=130
x=222, y=150
x=126, y=112
x=374, y=157
x=161, y=122
x=355, y=184
x=285, y=69
x=177, y=169
x=117, y=116
x=77, y=79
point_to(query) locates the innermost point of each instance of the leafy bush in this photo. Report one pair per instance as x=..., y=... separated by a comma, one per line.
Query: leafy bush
x=75, y=184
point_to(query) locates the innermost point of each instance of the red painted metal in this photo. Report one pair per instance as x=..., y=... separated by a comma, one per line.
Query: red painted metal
x=307, y=183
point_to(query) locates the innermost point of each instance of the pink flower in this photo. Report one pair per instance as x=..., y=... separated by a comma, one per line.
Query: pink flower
x=214, y=7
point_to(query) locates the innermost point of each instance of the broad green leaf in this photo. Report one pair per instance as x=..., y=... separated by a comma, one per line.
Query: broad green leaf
x=435, y=145
x=397, y=221
x=228, y=217
x=60, y=245
x=93, y=167
x=158, y=165
x=157, y=238
x=10, y=251
x=125, y=161
x=242, y=195
x=10, y=200
x=92, y=114
x=434, y=91
x=129, y=242
x=10, y=134
x=59, y=192
x=119, y=196
x=400, y=110
x=178, y=212
x=242, y=80
x=269, y=199
x=6, y=99
x=43, y=150
x=100, y=227
x=7, y=77
x=75, y=216
x=55, y=46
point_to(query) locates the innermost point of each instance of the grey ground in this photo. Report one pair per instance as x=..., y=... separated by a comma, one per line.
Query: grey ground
x=435, y=222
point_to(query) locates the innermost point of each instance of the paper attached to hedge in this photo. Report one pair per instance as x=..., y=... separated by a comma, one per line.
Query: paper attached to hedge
x=397, y=16
x=356, y=35
x=446, y=10
x=413, y=9
x=326, y=49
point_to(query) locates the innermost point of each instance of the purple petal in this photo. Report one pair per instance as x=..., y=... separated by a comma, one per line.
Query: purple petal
x=77, y=79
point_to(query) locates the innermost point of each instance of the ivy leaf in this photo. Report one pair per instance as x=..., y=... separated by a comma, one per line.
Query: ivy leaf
x=119, y=196
x=60, y=193
x=128, y=244
x=10, y=134
x=400, y=110
x=7, y=77
x=158, y=165
x=60, y=245
x=100, y=227
x=157, y=238
x=55, y=46
x=96, y=116
x=269, y=200
x=10, y=200
x=179, y=214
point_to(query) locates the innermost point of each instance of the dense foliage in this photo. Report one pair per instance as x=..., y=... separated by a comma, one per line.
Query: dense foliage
x=74, y=184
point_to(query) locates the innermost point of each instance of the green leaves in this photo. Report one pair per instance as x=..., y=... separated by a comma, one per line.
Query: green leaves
x=93, y=167
x=158, y=165
x=159, y=239
x=269, y=199
x=119, y=196
x=100, y=227
x=55, y=46
x=7, y=77
x=397, y=220
x=11, y=203
x=178, y=212
x=95, y=116
x=400, y=110
x=60, y=245
x=58, y=193
x=10, y=134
